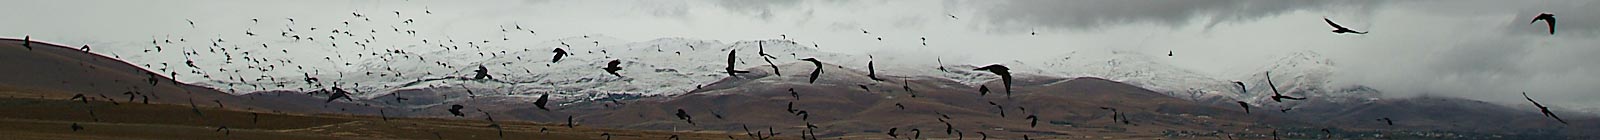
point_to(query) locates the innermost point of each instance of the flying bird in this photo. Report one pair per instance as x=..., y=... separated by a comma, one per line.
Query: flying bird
x=543, y=99
x=27, y=41
x=1549, y=19
x=482, y=73
x=1341, y=29
x=1387, y=120
x=1241, y=86
x=456, y=110
x=892, y=134
x=1543, y=109
x=872, y=73
x=1005, y=75
x=684, y=115
x=1246, y=106
x=1277, y=97
x=732, y=60
x=983, y=90
x=1034, y=122
x=814, y=72
x=795, y=94
x=76, y=127
x=613, y=68
x=559, y=53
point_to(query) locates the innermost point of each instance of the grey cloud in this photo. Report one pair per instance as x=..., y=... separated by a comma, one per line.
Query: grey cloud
x=1088, y=15
x=761, y=9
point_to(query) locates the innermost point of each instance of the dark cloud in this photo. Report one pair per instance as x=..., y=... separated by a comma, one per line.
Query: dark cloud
x=1095, y=14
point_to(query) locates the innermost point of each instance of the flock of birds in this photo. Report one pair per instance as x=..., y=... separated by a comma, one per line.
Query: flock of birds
x=613, y=67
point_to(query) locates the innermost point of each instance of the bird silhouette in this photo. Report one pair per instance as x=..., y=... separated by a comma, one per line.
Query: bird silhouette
x=224, y=130
x=872, y=73
x=613, y=68
x=559, y=53
x=795, y=94
x=1387, y=120
x=892, y=134
x=1549, y=19
x=762, y=51
x=1543, y=109
x=684, y=115
x=27, y=42
x=543, y=100
x=337, y=93
x=1241, y=86
x=902, y=107
x=607, y=135
x=1246, y=106
x=1005, y=74
x=456, y=110
x=731, y=61
x=916, y=133
x=983, y=90
x=985, y=135
x=482, y=72
x=75, y=127
x=815, y=72
x=1341, y=29
x=1276, y=96
x=1034, y=121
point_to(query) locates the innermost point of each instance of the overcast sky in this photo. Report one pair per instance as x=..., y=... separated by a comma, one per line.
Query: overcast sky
x=1467, y=48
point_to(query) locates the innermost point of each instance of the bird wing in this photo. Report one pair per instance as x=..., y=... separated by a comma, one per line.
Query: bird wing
x=614, y=63
x=1335, y=25
x=1535, y=103
x=1552, y=22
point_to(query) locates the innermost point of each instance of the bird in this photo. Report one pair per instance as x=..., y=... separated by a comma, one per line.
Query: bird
x=1034, y=122
x=482, y=73
x=1543, y=109
x=902, y=107
x=1277, y=97
x=338, y=93
x=731, y=61
x=559, y=53
x=607, y=135
x=1169, y=53
x=1246, y=106
x=795, y=94
x=892, y=134
x=224, y=130
x=985, y=136
x=762, y=51
x=953, y=16
x=1241, y=86
x=27, y=41
x=1005, y=74
x=1549, y=19
x=191, y=23
x=76, y=127
x=684, y=115
x=456, y=110
x=872, y=73
x=613, y=68
x=917, y=133
x=543, y=99
x=983, y=90
x=1000, y=107
x=814, y=72
x=1387, y=120
x=1340, y=29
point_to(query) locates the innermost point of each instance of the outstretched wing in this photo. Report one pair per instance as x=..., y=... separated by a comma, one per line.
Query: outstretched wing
x=1335, y=25
x=1552, y=23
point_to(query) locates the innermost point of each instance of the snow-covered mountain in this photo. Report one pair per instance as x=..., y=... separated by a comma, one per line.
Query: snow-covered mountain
x=1300, y=74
